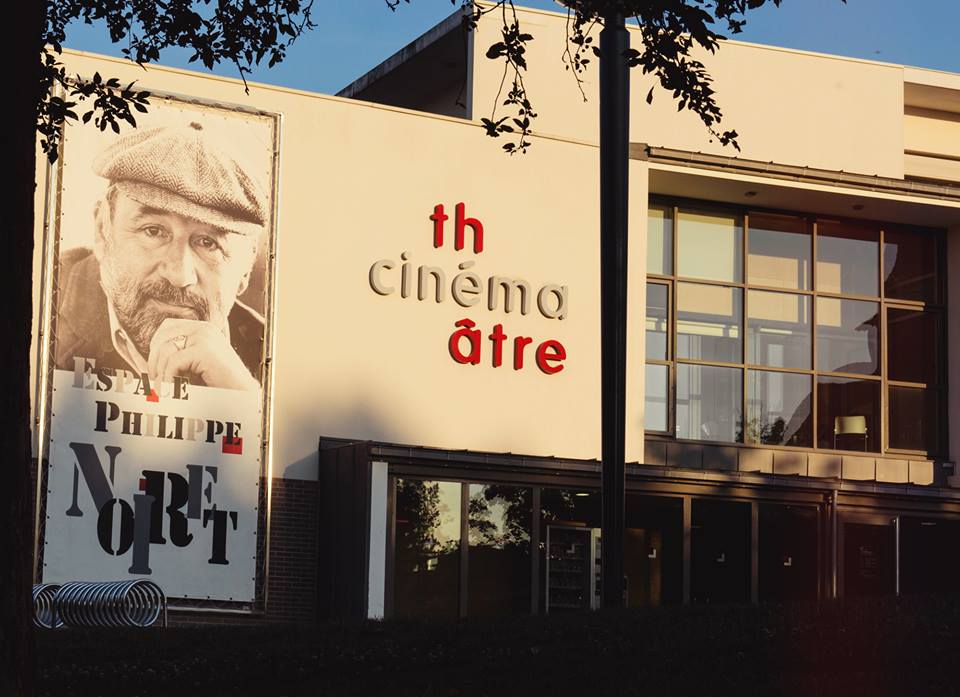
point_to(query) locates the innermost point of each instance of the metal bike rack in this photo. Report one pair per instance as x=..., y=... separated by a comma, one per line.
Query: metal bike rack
x=136, y=603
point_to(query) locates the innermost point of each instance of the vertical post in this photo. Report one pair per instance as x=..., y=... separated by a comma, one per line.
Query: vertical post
x=896, y=556
x=687, y=546
x=834, y=561
x=614, y=160
x=535, y=552
x=754, y=552
x=464, y=545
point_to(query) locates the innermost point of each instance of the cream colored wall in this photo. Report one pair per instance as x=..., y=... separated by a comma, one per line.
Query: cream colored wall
x=357, y=184
x=788, y=106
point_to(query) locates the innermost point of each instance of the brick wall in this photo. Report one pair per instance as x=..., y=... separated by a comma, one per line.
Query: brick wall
x=292, y=580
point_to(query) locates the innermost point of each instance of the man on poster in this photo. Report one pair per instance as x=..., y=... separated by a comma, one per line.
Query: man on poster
x=176, y=235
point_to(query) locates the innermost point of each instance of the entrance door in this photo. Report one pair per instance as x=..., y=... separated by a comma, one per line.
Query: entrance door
x=788, y=552
x=653, y=550
x=869, y=559
x=720, y=551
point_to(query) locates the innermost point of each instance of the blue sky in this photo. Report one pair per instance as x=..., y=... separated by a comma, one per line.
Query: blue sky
x=353, y=36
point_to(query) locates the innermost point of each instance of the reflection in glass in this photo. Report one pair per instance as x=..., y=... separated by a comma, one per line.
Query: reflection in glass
x=778, y=409
x=913, y=419
x=427, y=571
x=709, y=400
x=653, y=550
x=710, y=246
x=660, y=241
x=913, y=346
x=709, y=321
x=848, y=259
x=848, y=412
x=655, y=390
x=848, y=334
x=778, y=329
x=779, y=252
x=572, y=515
x=911, y=264
x=499, y=520
x=657, y=321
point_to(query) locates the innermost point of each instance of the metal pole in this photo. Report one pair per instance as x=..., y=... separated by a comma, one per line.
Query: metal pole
x=896, y=555
x=834, y=561
x=614, y=159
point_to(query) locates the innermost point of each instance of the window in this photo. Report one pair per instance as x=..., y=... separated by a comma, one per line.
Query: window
x=792, y=331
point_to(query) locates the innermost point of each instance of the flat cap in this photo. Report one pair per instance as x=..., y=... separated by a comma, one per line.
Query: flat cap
x=182, y=170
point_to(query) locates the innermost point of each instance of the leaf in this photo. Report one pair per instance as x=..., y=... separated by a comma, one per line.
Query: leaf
x=650, y=96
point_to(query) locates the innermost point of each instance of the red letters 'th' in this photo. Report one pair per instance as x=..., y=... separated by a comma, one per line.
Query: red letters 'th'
x=461, y=223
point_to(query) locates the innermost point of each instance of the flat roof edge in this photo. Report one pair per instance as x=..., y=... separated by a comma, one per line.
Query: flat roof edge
x=418, y=45
x=810, y=175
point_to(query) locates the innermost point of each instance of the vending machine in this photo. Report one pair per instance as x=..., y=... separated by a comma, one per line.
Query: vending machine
x=573, y=568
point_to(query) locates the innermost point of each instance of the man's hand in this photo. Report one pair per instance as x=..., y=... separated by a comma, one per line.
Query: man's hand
x=196, y=348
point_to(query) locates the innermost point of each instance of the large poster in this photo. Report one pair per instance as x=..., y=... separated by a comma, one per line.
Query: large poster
x=163, y=240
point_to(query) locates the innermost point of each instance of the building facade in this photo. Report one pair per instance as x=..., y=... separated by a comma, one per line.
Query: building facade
x=422, y=431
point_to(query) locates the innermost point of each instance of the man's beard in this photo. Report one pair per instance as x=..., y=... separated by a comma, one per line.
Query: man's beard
x=141, y=319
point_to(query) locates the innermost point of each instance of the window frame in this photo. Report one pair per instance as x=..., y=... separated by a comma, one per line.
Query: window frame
x=673, y=205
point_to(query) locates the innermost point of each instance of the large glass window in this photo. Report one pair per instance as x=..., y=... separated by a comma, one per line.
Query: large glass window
x=842, y=321
x=499, y=521
x=779, y=408
x=427, y=570
x=709, y=246
x=778, y=329
x=658, y=317
x=780, y=250
x=709, y=320
x=913, y=345
x=709, y=403
x=848, y=414
x=659, y=241
x=911, y=264
x=656, y=405
x=848, y=259
x=848, y=336
x=913, y=418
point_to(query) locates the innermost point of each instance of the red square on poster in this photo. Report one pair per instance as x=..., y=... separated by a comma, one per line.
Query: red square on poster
x=234, y=448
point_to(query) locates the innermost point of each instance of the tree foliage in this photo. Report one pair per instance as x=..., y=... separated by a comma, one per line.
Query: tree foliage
x=245, y=33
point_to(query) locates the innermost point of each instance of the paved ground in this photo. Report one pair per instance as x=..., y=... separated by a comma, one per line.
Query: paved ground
x=872, y=647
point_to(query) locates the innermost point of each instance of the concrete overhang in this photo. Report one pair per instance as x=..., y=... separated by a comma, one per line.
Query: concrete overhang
x=783, y=187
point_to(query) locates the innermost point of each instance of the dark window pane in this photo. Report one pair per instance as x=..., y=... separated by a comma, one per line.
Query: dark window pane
x=709, y=323
x=499, y=558
x=788, y=552
x=910, y=264
x=913, y=346
x=848, y=334
x=848, y=414
x=660, y=241
x=778, y=329
x=658, y=321
x=710, y=245
x=778, y=409
x=427, y=572
x=914, y=419
x=848, y=259
x=656, y=387
x=779, y=252
x=719, y=552
x=709, y=403
x=653, y=550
